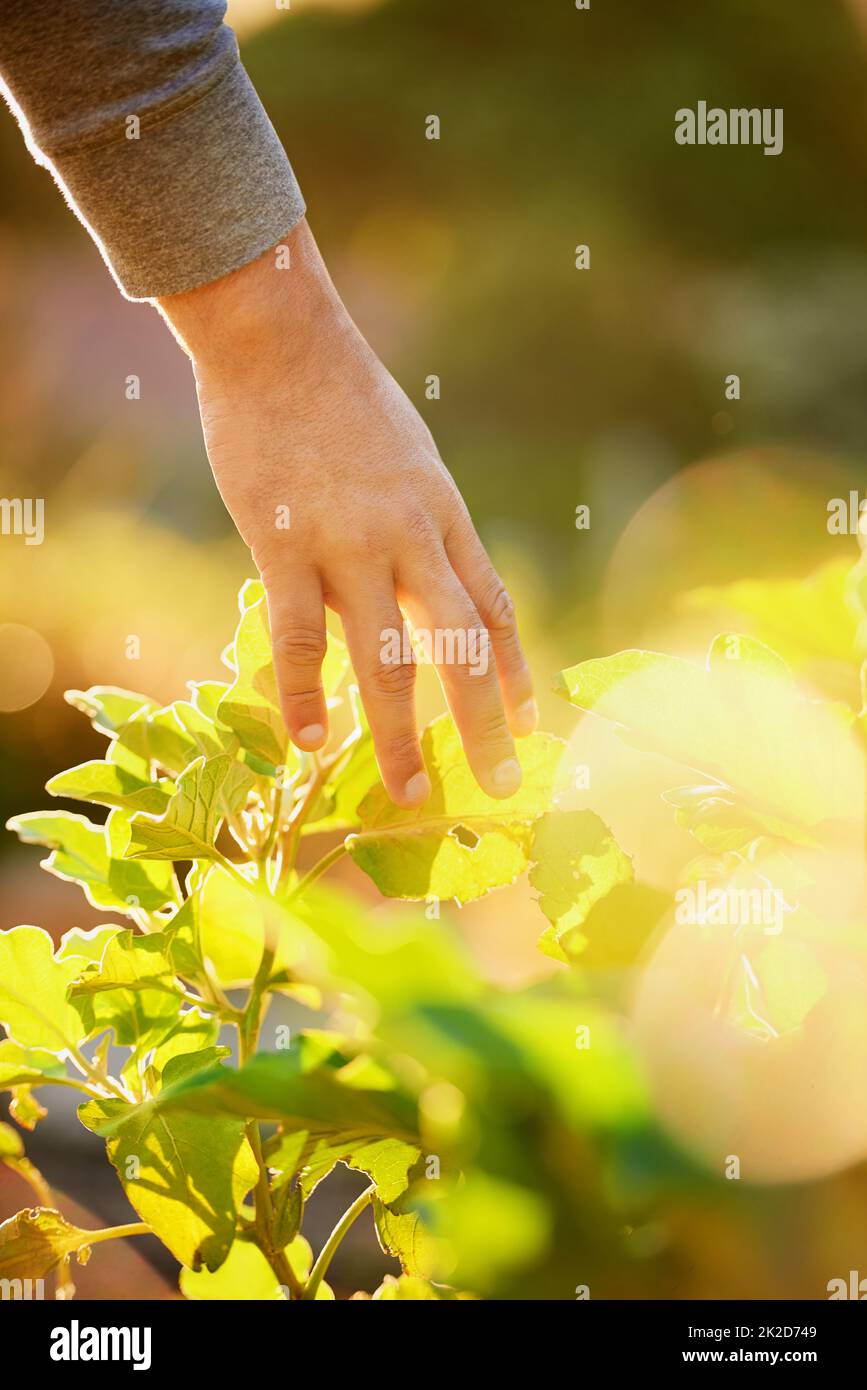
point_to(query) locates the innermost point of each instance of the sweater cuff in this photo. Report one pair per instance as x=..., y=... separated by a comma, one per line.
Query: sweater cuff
x=198, y=194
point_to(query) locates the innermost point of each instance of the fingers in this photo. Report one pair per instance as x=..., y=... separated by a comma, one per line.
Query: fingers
x=297, y=616
x=442, y=610
x=383, y=661
x=486, y=589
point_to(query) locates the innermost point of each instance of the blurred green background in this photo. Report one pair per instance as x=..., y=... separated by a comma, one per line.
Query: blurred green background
x=558, y=387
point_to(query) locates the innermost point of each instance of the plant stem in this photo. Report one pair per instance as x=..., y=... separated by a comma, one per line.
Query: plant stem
x=34, y=1179
x=318, y=870
x=249, y=1028
x=99, y=1078
x=301, y=811
x=135, y=1228
x=326, y=1254
x=276, y=817
x=236, y=874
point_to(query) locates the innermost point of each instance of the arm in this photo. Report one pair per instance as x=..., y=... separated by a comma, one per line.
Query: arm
x=298, y=412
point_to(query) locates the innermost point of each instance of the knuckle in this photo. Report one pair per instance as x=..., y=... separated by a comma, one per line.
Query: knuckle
x=416, y=527
x=499, y=608
x=300, y=646
x=402, y=748
x=490, y=732
x=394, y=680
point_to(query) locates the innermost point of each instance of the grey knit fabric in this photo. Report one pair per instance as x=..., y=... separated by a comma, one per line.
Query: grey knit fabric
x=147, y=120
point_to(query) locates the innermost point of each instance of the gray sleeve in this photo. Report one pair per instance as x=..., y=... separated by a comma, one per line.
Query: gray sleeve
x=148, y=122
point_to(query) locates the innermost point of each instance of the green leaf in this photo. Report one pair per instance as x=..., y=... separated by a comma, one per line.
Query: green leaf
x=309, y=1086
x=11, y=1143
x=110, y=785
x=576, y=861
x=189, y=827
x=776, y=988
x=207, y=696
x=288, y=1214
x=246, y=1276
x=185, y=1174
x=108, y=707
x=738, y=720
x=410, y=1287
x=86, y=945
x=251, y=705
x=387, y=1162
x=398, y=960
x=25, y=1108
x=132, y=990
x=723, y=822
x=27, y=1066
x=811, y=622
x=157, y=736
x=342, y=796
x=461, y=843
x=234, y=924
x=487, y=1226
x=33, y=985
x=194, y=1032
x=87, y=854
x=403, y=1234
x=34, y=1242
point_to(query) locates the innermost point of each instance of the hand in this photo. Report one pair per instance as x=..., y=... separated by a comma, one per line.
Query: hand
x=298, y=413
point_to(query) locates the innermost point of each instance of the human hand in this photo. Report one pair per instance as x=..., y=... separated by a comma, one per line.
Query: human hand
x=302, y=421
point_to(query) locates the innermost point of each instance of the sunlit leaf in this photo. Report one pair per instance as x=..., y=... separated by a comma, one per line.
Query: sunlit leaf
x=132, y=990
x=387, y=1162
x=192, y=1033
x=811, y=622
x=403, y=1233
x=24, y=1108
x=34, y=1242
x=738, y=719
x=251, y=705
x=460, y=843
x=27, y=1066
x=299, y=1088
x=408, y=1287
x=246, y=1276
x=107, y=706
x=87, y=854
x=185, y=1174
x=11, y=1143
x=33, y=985
x=576, y=861
x=109, y=785
x=188, y=828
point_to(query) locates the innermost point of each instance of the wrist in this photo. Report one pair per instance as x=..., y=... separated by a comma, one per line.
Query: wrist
x=271, y=310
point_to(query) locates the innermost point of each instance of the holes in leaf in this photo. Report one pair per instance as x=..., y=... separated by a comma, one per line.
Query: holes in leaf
x=464, y=836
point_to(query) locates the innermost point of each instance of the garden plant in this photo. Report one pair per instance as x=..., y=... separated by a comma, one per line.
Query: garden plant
x=498, y=1131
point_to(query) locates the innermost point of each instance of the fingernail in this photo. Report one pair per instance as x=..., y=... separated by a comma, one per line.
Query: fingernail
x=506, y=776
x=525, y=718
x=311, y=736
x=417, y=788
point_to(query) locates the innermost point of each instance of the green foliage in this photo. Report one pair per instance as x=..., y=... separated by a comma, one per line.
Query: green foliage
x=421, y=1084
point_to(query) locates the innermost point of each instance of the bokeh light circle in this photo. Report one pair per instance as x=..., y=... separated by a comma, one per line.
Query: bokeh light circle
x=26, y=667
